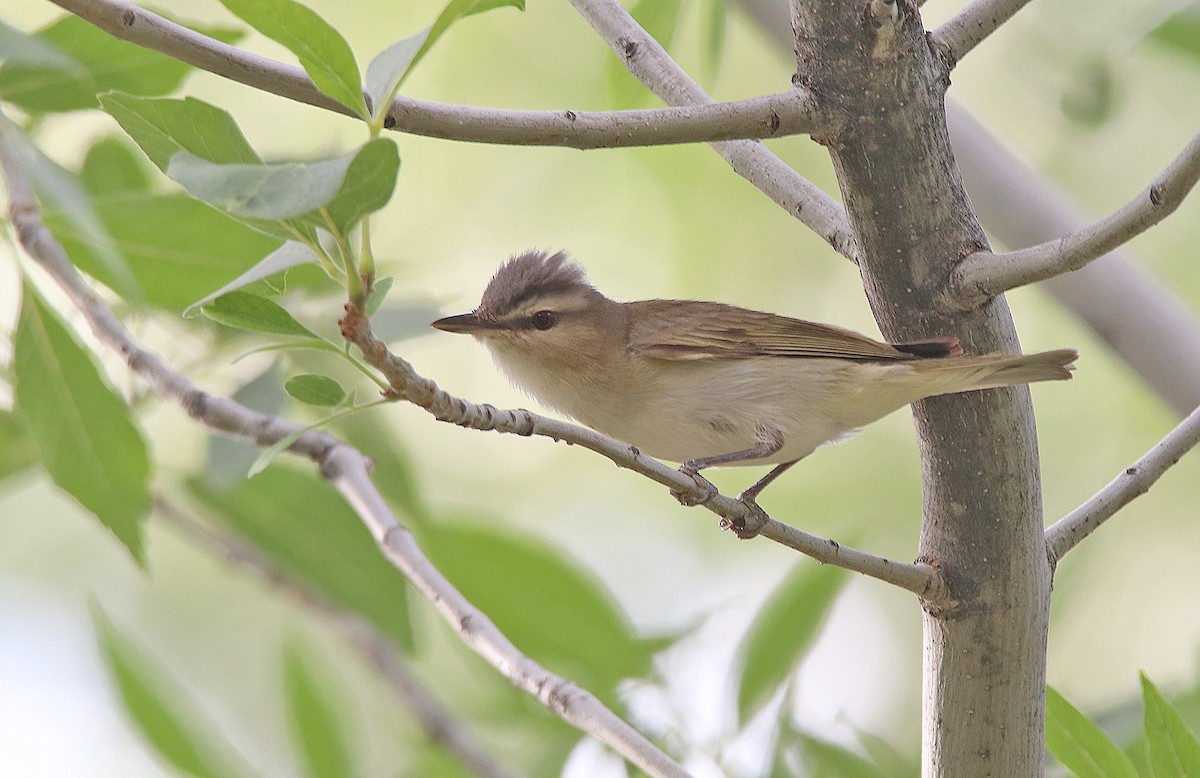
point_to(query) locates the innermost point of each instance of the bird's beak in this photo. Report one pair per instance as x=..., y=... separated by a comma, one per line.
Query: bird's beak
x=466, y=323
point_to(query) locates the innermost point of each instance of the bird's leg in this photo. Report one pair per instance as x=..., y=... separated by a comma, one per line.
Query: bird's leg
x=741, y=527
x=768, y=441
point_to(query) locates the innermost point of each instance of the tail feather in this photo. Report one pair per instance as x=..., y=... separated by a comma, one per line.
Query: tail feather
x=989, y=372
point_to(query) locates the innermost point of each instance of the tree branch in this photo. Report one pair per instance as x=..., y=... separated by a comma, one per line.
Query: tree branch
x=967, y=29
x=983, y=275
x=345, y=468
x=745, y=521
x=1133, y=482
x=650, y=64
x=379, y=651
x=760, y=117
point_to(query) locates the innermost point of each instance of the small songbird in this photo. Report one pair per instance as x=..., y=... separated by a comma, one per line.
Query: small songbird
x=705, y=383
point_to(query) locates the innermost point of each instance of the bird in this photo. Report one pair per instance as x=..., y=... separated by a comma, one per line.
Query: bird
x=708, y=384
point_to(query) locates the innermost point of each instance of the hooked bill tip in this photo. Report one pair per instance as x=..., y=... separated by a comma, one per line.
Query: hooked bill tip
x=463, y=323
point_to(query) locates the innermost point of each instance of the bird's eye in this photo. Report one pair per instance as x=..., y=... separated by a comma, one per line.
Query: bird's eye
x=544, y=320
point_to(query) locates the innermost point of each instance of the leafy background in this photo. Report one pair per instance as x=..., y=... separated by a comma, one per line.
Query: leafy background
x=1086, y=98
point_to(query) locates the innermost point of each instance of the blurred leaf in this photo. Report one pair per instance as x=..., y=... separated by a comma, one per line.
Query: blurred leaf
x=18, y=451
x=177, y=248
x=170, y=723
x=84, y=431
x=393, y=473
x=105, y=63
x=660, y=18
x=229, y=458
x=1091, y=96
x=290, y=254
x=251, y=312
x=825, y=759
x=322, y=51
x=1174, y=749
x=1181, y=32
x=306, y=528
x=315, y=389
x=548, y=606
x=1080, y=745
x=434, y=760
x=112, y=167
x=378, y=294
x=163, y=128
x=713, y=21
x=62, y=195
x=18, y=47
x=783, y=630
x=316, y=728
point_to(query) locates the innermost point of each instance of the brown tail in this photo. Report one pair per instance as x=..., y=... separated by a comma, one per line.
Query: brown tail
x=995, y=370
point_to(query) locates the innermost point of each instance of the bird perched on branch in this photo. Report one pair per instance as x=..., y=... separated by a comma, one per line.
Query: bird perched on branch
x=709, y=384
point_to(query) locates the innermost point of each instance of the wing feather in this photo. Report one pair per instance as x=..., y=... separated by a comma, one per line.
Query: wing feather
x=676, y=329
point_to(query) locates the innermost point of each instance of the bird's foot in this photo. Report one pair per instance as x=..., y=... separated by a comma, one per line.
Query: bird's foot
x=689, y=498
x=748, y=526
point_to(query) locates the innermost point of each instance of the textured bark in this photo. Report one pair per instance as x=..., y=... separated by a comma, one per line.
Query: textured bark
x=984, y=654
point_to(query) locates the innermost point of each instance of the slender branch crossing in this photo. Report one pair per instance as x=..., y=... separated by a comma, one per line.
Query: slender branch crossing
x=968, y=28
x=1133, y=482
x=760, y=117
x=984, y=275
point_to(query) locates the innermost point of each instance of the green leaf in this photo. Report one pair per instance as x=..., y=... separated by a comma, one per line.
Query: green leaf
x=389, y=69
x=315, y=389
x=247, y=311
x=18, y=451
x=1090, y=97
x=367, y=185
x=345, y=187
x=105, y=63
x=87, y=439
x=1080, y=744
x=177, y=248
x=289, y=255
x=1181, y=33
x=168, y=721
x=307, y=529
x=523, y=585
x=1174, y=749
x=163, y=128
x=315, y=725
x=783, y=630
x=61, y=193
x=112, y=167
x=322, y=51
x=826, y=759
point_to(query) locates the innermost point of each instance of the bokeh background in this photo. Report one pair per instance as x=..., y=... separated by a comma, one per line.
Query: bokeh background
x=1081, y=95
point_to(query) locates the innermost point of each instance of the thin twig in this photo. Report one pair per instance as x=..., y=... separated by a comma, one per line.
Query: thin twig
x=760, y=117
x=746, y=522
x=439, y=724
x=984, y=275
x=344, y=467
x=1133, y=482
x=967, y=29
x=642, y=55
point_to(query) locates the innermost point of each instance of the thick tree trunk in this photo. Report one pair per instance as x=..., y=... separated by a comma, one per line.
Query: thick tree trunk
x=985, y=653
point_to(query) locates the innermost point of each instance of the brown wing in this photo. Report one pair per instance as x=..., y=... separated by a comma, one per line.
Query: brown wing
x=676, y=329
